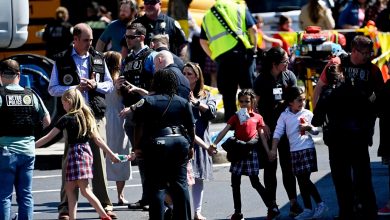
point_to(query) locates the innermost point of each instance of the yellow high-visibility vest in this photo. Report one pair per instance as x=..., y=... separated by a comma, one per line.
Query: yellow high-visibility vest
x=219, y=39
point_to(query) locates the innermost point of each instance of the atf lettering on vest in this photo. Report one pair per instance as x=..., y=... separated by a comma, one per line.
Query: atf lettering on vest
x=17, y=113
x=219, y=38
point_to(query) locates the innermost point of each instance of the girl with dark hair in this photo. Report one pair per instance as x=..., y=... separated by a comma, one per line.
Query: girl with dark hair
x=247, y=128
x=295, y=122
x=270, y=87
x=284, y=25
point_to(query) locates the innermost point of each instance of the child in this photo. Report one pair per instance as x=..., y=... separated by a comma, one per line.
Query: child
x=294, y=122
x=80, y=126
x=246, y=129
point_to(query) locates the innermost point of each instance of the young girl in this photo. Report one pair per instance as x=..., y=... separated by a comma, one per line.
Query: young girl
x=80, y=126
x=295, y=122
x=245, y=130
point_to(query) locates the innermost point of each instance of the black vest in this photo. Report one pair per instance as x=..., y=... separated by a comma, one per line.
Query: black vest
x=135, y=73
x=68, y=76
x=17, y=113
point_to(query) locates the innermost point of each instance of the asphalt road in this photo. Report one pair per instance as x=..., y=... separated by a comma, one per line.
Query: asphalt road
x=218, y=203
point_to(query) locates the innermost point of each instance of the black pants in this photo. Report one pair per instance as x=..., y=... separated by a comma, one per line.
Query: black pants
x=234, y=68
x=166, y=170
x=351, y=173
x=288, y=177
x=236, y=185
x=308, y=190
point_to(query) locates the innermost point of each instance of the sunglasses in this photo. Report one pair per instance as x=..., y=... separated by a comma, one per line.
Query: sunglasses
x=244, y=101
x=132, y=37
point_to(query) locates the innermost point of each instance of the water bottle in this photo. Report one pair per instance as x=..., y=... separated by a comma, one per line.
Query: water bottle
x=302, y=121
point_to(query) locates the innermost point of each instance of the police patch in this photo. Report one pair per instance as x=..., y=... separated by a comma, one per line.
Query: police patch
x=68, y=79
x=98, y=61
x=19, y=100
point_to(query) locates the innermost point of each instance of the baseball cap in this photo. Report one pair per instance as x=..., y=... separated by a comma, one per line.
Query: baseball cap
x=151, y=2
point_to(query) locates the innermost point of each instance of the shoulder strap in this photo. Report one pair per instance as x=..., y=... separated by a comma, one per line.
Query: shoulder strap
x=223, y=22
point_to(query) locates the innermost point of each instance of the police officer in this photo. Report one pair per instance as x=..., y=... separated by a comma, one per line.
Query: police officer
x=351, y=114
x=82, y=67
x=137, y=72
x=20, y=111
x=164, y=137
x=157, y=23
x=58, y=33
x=229, y=36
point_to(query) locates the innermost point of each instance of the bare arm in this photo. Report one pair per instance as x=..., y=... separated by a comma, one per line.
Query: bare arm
x=205, y=46
x=102, y=145
x=100, y=45
x=48, y=137
x=222, y=134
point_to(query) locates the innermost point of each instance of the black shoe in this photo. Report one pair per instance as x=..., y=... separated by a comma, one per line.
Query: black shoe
x=295, y=210
x=237, y=216
x=168, y=214
x=139, y=205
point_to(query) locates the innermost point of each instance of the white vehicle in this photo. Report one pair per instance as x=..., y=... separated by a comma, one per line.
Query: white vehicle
x=14, y=18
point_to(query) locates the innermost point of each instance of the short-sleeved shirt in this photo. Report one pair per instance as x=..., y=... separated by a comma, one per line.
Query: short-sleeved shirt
x=248, y=129
x=114, y=32
x=270, y=103
x=23, y=145
x=164, y=25
x=69, y=123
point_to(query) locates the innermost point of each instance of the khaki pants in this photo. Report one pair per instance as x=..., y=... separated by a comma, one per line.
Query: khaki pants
x=99, y=181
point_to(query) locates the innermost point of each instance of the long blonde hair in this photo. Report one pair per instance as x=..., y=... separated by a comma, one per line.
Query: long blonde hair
x=85, y=119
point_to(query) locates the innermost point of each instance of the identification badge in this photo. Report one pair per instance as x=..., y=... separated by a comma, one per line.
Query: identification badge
x=277, y=92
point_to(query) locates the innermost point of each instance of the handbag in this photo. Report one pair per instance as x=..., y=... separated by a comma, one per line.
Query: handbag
x=237, y=150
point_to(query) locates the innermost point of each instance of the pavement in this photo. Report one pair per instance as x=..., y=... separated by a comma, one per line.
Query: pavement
x=50, y=158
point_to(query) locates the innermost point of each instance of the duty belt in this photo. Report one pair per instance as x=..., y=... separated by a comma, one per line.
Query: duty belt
x=169, y=131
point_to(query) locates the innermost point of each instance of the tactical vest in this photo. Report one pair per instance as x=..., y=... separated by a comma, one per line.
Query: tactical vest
x=17, y=113
x=68, y=76
x=135, y=73
x=219, y=38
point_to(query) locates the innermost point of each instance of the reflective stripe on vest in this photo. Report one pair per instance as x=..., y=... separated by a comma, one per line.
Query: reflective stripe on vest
x=219, y=38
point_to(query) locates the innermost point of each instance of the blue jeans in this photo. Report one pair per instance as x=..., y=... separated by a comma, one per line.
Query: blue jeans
x=16, y=170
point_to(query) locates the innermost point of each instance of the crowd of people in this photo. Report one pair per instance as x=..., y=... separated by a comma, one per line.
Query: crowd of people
x=137, y=97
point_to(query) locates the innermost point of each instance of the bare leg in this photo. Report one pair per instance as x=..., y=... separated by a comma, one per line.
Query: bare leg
x=120, y=185
x=88, y=194
x=72, y=198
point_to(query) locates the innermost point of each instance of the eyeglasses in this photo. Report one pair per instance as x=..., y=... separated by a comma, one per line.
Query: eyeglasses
x=244, y=101
x=132, y=37
x=285, y=62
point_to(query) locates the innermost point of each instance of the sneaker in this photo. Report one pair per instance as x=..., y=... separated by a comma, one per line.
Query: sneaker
x=237, y=216
x=295, y=210
x=320, y=210
x=273, y=213
x=384, y=211
x=306, y=214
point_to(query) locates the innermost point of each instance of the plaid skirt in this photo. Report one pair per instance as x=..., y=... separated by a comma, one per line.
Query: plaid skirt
x=304, y=161
x=248, y=166
x=79, y=164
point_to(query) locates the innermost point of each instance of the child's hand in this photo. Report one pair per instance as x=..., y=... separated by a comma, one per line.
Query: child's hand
x=212, y=150
x=132, y=156
x=114, y=158
x=272, y=154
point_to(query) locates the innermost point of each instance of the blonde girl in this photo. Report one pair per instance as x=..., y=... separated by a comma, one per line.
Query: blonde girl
x=80, y=125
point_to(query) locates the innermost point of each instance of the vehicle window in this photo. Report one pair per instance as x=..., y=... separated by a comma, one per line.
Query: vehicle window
x=260, y=6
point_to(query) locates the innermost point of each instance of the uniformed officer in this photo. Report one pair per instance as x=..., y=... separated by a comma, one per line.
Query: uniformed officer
x=164, y=137
x=137, y=72
x=20, y=112
x=229, y=36
x=157, y=23
x=58, y=33
x=82, y=67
